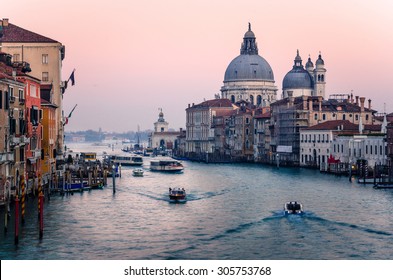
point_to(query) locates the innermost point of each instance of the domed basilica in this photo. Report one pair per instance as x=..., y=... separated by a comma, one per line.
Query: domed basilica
x=249, y=76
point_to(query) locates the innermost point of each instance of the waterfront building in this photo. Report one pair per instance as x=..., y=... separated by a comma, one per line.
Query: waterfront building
x=13, y=139
x=292, y=114
x=249, y=76
x=162, y=138
x=45, y=56
x=240, y=139
x=48, y=159
x=316, y=142
x=200, y=139
x=370, y=148
x=389, y=142
x=305, y=82
x=262, y=136
x=34, y=128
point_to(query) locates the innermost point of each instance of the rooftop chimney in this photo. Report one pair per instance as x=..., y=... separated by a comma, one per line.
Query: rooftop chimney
x=320, y=103
x=5, y=22
x=362, y=99
x=357, y=100
x=369, y=104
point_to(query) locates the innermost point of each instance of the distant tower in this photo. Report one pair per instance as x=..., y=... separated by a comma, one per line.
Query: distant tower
x=161, y=125
x=319, y=77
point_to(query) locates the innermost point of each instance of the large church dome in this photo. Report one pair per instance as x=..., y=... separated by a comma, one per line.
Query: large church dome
x=249, y=65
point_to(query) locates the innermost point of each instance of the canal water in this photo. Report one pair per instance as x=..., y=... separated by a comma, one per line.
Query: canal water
x=234, y=211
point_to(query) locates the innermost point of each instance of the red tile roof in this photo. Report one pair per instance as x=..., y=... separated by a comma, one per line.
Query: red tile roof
x=333, y=125
x=16, y=34
x=214, y=103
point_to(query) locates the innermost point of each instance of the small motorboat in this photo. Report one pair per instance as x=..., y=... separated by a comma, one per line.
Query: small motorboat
x=293, y=207
x=177, y=195
x=137, y=172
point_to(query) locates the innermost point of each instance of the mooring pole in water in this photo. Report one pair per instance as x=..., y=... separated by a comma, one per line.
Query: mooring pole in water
x=23, y=198
x=39, y=194
x=41, y=214
x=16, y=220
x=6, y=217
x=120, y=170
x=113, y=178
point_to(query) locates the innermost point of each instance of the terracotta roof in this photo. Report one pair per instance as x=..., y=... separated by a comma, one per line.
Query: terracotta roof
x=333, y=125
x=214, y=103
x=16, y=34
x=265, y=115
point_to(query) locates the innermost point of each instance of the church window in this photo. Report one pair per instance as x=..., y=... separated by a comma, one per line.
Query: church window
x=319, y=78
x=259, y=100
x=255, y=74
x=252, y=99
x=322, y=78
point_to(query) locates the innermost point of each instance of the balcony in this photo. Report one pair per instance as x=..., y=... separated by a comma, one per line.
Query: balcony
x=12, y=99
x=22, y=101
x=14, y=140
x=4, y=157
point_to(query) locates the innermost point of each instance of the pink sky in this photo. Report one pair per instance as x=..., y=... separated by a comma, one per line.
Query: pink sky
x=133, y=57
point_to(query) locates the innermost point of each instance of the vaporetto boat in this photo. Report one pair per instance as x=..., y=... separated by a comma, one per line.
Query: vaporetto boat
x=126, y=160
x=166, y=165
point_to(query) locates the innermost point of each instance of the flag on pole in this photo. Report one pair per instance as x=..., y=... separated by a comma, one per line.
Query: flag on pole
x=69, y=115
x=72, y=78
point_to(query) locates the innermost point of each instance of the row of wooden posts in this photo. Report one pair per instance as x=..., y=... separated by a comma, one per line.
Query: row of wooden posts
x=20, y=205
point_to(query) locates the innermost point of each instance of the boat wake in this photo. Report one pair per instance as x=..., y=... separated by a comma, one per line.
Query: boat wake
x=348, y=225
x=207, y=195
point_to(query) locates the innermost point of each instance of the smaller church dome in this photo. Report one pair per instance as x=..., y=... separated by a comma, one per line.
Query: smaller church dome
x=309, y=63
x=298, y=77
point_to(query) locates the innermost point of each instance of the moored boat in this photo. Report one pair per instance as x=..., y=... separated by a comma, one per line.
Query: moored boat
x=177, y=195
x=166, y=165
x=137, y=172
x=293, y=207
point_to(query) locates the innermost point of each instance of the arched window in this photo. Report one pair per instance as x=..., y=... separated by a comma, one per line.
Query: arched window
x=259, y=100
x=343, y=117
x=319, y=78
x=322, y=78
x=232, y=98
x=252, y=99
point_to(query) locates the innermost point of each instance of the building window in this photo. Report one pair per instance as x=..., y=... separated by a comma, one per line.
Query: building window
x=259, y=100
x=45, y=76
x=356, y=117
x=45, y=59
x=232, y=98
x=315, y=116
x=343, y=117
x=16, y=57
x=366, y=117
x=366, y=149
x=324, y=117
